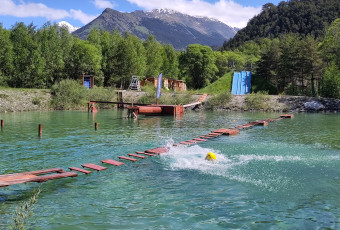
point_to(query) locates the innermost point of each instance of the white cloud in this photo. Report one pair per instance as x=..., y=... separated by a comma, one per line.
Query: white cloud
x=102, y=4
x=81, y=16
x=23, y=10
x=227, y=11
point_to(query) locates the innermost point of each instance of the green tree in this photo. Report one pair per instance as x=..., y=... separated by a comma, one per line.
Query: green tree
x=330, y=85
x=51, y=50
x=67, y=41
x=330, y=46
x=221, y=63
x=287, y=69
x=153, y=56
x=6, y=56
x=94, y=38
x=330, y=49
x=170, y=62
x=309, y=65
x=85, y=58
x=235, y=59
x=110, y=45
x=130, y=59
x=267, y=66
x=200, y=65
x=28, y=62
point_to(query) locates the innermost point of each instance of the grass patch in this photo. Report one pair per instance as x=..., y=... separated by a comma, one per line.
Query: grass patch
x=221, y=85
x=24, y=211
x=167, y=98
x=259, y=100
x=102, y=94
x=221, y=101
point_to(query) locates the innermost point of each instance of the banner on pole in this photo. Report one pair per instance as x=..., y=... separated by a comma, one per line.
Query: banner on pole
x=159, y=86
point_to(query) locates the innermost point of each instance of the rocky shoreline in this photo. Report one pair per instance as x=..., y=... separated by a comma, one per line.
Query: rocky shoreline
x=293, y=104
x=20, y=100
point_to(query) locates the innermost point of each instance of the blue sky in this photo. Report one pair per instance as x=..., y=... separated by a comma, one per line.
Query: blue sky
x=235, y=13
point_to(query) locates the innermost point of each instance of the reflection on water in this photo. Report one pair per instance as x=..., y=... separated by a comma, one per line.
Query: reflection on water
x=284, y=176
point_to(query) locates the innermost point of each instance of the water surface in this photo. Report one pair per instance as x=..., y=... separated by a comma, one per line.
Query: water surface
x=283, y=176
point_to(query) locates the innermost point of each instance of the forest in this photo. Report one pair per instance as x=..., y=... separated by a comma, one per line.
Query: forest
x=290, y=64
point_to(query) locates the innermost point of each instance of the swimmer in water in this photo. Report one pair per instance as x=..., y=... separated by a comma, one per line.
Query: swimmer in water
x=210, y=156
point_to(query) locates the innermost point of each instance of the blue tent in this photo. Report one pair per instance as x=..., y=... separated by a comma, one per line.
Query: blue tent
x=241, y=83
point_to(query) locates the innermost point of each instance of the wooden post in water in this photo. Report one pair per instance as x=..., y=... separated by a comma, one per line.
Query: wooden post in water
x=40, y=130
x=2, y=124
x=95, y=126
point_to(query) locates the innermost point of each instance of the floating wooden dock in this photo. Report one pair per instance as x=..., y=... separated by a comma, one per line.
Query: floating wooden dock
x=34, y=176
x=93, y=166
x=56, y=173
x=127, y=158
x=80, y=170
x=113, y=162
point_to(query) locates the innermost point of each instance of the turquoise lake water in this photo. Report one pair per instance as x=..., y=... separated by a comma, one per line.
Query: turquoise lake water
x=283, y=176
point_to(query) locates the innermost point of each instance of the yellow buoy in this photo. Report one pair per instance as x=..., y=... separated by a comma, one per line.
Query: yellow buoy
x=210, y=156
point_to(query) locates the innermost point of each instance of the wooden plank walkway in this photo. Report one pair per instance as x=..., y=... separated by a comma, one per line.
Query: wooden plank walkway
x=56, y=173
x=80, y=170
x=93, y=166
x=202, y=98
x=34, y=176
x=113, y=162
x=127, y=158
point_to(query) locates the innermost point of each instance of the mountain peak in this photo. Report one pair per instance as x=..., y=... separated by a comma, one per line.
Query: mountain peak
x=168, y=26
x=68, y=26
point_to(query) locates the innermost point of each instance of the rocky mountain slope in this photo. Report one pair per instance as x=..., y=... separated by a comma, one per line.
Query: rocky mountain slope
x=168, y=27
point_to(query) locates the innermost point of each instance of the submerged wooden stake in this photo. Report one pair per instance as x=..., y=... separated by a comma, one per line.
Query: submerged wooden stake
x=2, y=123
x=40, y=130
x=95, y=126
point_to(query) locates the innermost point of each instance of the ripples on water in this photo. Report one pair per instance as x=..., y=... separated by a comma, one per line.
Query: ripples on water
x=284, y=176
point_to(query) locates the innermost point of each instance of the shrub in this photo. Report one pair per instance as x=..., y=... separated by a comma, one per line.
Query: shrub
x=36, y=101
x=259, y=100
x=221, y=100
x=330, y=85
x=102, y=94
x=68, y=94
x=167, y=98
x=24, y=211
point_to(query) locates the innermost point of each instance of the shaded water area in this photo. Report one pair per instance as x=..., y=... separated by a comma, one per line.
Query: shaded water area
x=283, y=176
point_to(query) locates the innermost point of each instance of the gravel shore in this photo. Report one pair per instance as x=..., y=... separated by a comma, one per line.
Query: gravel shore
x=20, y=100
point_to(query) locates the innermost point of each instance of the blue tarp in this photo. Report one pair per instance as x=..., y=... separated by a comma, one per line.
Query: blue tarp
x=241, y=83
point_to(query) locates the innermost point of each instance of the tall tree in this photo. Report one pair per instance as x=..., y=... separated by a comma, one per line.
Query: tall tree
x=170, y=62
x=287, y=69
x=267, y=66
x=330, y=49
x=110, y=45
x=200, y=65
x=130, y=59
x=6, y=56
x=28, y=62
x=153, y=56
x=51, y=50
x=67, y=41
x=86, y=58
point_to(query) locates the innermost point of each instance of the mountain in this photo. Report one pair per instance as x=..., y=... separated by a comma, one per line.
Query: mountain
x=168, y=26
x=68, y=26
x=295, y=16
